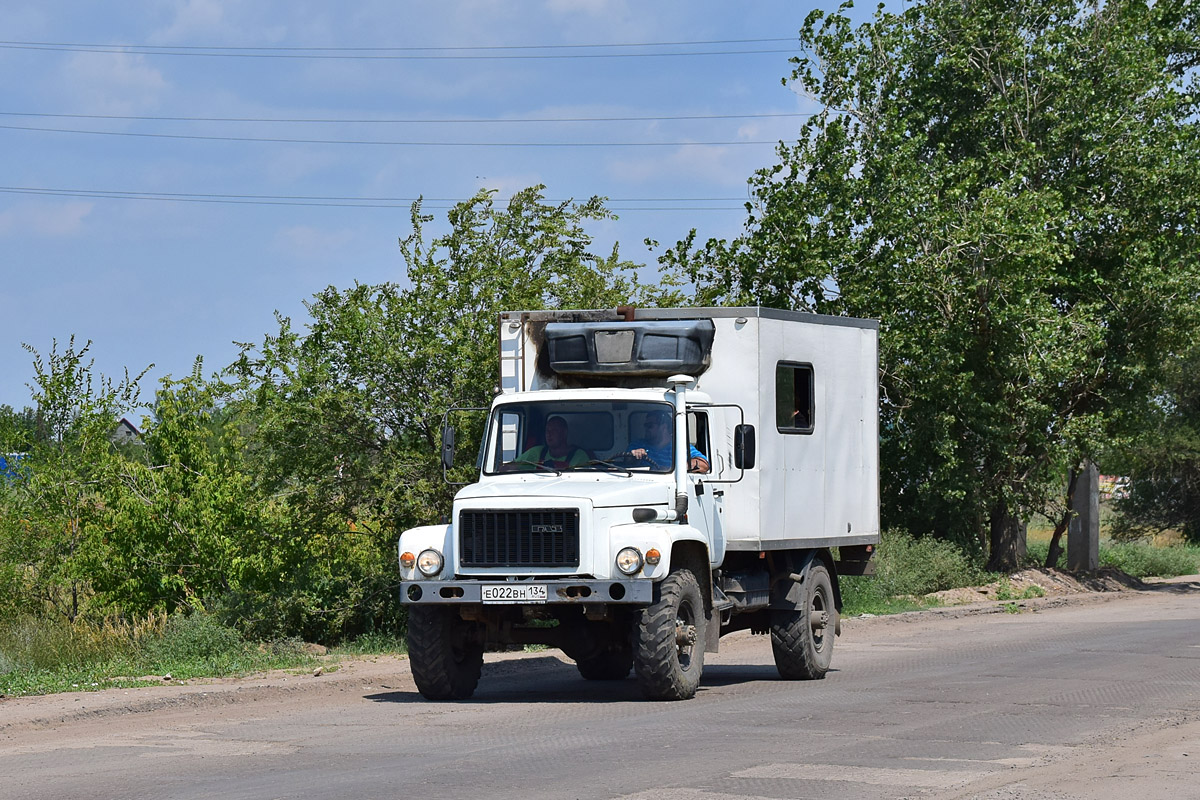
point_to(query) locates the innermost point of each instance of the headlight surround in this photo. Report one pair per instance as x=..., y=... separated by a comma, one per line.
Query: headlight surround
x=629, y=561
x=430, y=562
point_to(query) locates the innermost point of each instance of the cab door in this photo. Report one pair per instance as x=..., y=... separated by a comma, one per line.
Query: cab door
x=706, y=499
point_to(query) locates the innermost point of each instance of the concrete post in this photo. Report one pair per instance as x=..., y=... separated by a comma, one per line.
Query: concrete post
x=1083, y=533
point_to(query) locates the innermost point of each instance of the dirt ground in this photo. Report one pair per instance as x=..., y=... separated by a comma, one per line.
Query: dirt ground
x=1051, y=582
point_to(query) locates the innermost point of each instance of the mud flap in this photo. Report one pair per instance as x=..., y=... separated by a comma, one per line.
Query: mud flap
x=712, y=632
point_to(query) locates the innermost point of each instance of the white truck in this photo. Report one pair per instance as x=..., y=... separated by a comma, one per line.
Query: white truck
x=634, y=545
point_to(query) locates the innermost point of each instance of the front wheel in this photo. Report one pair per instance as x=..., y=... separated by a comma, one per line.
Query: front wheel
x=802, y=640
x=445, y=656
x=668, y=648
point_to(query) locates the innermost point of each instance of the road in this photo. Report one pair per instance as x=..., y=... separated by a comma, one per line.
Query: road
x=1092, y=697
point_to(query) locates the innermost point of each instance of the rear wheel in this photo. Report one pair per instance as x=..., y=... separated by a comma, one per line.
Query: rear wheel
x=445, y=654
x=668, y=651
x=802, y=640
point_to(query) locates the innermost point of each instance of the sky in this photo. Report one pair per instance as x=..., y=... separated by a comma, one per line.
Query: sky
x=164, y=239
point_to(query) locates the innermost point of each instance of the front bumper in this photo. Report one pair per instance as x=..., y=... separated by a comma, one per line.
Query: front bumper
x=558, y=591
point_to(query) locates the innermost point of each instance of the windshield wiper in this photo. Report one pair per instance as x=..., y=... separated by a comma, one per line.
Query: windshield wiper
x=612, y=467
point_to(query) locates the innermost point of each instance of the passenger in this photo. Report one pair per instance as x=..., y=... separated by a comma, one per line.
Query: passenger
x=557, y=452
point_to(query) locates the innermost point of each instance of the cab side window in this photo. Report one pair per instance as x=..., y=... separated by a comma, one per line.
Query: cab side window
x=698, y=432
x=795, y=407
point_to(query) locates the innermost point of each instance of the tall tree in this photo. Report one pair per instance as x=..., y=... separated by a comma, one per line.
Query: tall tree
x=348, y=411
x=1012, y=189
x=52, y=514
x=1163, y=465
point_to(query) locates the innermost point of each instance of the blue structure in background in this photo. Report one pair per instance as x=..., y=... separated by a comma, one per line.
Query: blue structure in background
x=10, y=466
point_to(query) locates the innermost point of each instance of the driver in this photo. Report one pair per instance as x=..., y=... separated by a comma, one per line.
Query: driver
x=657, y=445
x=556, y=453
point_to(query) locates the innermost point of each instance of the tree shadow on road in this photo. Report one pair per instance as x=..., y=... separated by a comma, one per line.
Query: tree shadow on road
x=1177, y=587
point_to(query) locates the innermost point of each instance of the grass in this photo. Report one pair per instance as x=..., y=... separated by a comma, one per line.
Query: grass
x=1145, y=560
x=371, y=644
x=1139, y=559
x=906, y=569
x=44, y=655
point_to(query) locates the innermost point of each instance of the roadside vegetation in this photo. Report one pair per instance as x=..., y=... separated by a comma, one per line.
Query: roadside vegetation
x=44, y=654
x=40, y=655
x=1029, y=249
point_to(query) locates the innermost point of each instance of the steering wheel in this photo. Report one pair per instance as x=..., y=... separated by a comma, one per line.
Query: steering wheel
x=630, y=460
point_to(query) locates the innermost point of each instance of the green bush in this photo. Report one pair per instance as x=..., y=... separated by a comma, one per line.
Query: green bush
x=1139, y=559
x=193, y=638
x=1143, y=560
x=908, y=565
x=906, y=568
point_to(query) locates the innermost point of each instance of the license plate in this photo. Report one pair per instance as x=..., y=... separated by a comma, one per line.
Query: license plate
x=514, y=593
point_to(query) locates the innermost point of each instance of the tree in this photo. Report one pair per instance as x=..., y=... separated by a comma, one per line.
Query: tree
x=1012, y=189
x=347, y=413
x=53, y=515
x=1163, y=465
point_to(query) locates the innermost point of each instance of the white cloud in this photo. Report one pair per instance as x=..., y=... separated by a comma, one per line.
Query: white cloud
x=113, y=83
x=309, y=243
x=600, y=21
x=194, y=16
x=711, y=164
x=45, y=219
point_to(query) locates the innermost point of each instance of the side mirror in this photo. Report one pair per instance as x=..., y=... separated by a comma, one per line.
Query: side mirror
x=447, y=446
x=743, y=447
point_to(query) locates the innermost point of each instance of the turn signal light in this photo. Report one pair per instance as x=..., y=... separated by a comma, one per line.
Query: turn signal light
x=653, y=557
x=407, y=560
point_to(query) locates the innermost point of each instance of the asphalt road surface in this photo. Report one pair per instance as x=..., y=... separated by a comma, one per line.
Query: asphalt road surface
x=1092, y=697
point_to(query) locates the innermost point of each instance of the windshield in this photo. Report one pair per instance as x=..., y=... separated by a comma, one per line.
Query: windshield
x=595, y=435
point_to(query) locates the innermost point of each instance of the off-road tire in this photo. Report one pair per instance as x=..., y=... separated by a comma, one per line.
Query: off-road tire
x=668, y=669
x=609, y=665
x=445, y=657
x=802, y=640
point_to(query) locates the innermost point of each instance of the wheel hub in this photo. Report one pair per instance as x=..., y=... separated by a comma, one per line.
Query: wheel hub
x=685, y=635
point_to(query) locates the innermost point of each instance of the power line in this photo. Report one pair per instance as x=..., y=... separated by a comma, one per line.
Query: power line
x=427, y=48
x=400, y=54
x=405, y=120
x=328, y=201
x=393, y=143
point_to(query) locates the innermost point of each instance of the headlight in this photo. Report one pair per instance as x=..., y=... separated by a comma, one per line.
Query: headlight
x=429, y=562
x=629, y=560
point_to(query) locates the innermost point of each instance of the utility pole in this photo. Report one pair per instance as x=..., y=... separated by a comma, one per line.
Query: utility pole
x=1083, y=533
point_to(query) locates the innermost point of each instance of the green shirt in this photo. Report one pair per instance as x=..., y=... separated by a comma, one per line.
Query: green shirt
x=540, y=455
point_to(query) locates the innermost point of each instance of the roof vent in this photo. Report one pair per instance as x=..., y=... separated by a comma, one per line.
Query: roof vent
x=651, y=348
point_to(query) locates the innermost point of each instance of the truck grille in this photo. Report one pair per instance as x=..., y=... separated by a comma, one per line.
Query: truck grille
x=546, y=538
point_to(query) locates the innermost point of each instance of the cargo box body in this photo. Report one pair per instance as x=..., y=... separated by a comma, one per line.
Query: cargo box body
x=814, y=484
